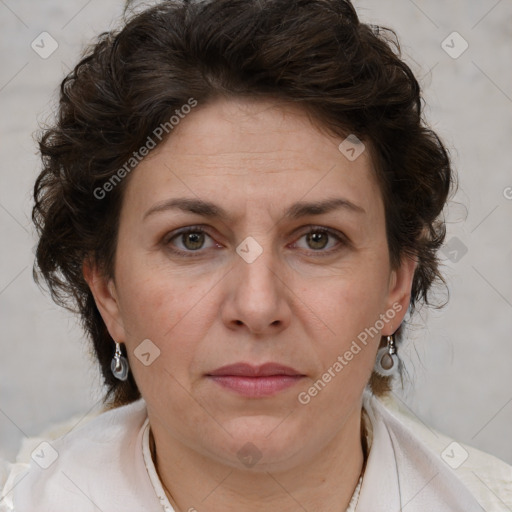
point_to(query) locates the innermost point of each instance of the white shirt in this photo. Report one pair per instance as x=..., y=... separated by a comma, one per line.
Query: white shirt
x=106, y=465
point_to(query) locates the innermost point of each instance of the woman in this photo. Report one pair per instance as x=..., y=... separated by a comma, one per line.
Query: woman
x=242, y=202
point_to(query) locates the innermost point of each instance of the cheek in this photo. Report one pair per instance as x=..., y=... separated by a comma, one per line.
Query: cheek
x=155, y=299
x=350, y=307
x=171, y=309
x=349, y=303
x=346, y=353
x=168, y=317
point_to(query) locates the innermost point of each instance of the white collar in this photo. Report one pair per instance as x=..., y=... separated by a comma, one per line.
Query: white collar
x=158, y=487
x=402, y=473
x=107, y=463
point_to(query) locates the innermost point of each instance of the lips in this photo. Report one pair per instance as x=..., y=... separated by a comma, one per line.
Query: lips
x=247, y=370
x=255, y=381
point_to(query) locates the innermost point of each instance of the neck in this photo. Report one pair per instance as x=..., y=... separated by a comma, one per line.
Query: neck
x=324, y=482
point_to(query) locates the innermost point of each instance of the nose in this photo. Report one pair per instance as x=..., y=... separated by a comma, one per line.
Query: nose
x=258, y=296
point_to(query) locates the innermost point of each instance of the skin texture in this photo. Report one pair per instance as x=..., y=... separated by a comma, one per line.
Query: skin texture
x=300, y=304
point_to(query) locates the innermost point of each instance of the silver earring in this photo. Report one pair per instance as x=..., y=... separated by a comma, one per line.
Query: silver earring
x=387, y=361
x=119, y=364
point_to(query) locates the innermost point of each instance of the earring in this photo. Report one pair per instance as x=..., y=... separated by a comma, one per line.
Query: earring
x=119, y=365
x=387, y=361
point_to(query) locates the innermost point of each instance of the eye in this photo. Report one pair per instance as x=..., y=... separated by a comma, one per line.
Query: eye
x=190, y=239
x=319, y=239
x=193, y=239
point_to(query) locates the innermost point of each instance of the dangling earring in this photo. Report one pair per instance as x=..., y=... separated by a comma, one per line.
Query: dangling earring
x=387, y=361
x=119, y=365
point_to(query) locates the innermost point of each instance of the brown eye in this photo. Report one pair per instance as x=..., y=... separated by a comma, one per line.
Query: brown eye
x=193, y=240
x=321, y=240
x=189, y=240
x=317, y=239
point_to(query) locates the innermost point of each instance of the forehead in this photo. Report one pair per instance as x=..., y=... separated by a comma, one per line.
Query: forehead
x=246, y=128
x=239, y=151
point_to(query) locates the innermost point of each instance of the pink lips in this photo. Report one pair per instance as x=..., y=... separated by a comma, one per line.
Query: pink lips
x=256, y=381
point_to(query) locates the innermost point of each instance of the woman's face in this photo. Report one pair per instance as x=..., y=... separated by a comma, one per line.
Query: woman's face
x=284, y=261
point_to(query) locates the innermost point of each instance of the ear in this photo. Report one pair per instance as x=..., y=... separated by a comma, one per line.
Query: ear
x=399, y=294
x=104, y=292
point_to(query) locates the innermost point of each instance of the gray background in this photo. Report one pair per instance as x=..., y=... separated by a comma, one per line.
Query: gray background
x=459, y=367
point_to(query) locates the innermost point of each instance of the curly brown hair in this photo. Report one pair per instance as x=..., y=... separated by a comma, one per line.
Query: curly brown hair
x=349, y=76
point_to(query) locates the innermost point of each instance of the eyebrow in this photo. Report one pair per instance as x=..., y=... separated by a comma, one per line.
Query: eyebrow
x=211, y=210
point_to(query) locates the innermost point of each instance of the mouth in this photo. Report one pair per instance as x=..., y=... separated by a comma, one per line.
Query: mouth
x=256, y=381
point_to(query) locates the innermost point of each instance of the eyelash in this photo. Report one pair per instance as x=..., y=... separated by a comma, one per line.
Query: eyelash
x=343, y=241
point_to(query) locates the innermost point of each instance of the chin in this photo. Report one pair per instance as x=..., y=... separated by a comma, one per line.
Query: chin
x=261, y=443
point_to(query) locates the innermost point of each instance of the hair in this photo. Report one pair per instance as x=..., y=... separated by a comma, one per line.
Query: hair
x=347, y=75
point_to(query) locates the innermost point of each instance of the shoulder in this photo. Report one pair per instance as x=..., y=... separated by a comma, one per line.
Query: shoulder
x=82, y=466
x=487, y=478
x=9, y=475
